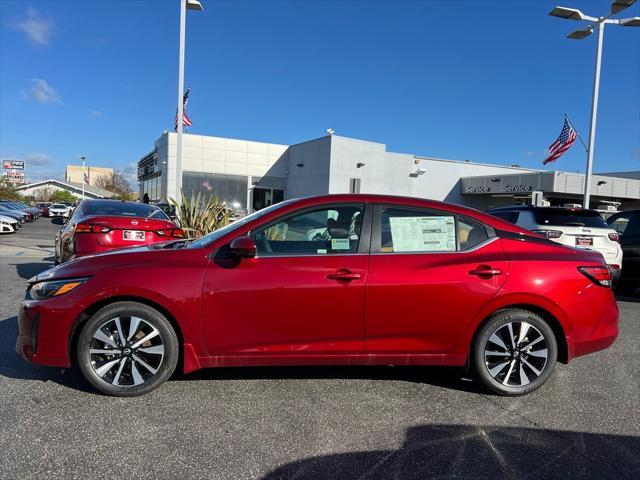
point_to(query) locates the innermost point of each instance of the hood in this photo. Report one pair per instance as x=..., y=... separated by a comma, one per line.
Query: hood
x=89, y=265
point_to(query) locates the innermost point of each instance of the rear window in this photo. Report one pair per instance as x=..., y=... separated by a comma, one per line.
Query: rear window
x=123, y=209
x=570, y=218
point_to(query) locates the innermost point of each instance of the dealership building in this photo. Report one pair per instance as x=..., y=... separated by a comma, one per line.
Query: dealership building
x=250, y=175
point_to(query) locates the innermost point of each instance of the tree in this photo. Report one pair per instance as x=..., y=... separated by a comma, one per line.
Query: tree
x=115, y=183
x=63, y=196
x=43, y=194
x=8, y=190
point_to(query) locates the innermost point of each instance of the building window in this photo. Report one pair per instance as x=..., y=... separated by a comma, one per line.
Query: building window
x=231, y=189
x=354, y=185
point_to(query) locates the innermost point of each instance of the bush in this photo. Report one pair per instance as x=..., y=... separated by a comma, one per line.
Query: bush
x=62, y=196
x=200, y=214
x=8, y=190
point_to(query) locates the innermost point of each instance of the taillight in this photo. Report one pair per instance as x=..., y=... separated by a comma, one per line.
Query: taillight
x=614, y=237
x=549, y=233
x=599, y=275
x=171, y=232
x=91, y=228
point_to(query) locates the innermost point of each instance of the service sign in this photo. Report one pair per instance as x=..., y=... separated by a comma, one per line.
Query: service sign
x=17, y=178
x=13, y=164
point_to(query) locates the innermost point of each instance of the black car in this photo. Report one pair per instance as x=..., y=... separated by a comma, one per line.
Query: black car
x=627, y=224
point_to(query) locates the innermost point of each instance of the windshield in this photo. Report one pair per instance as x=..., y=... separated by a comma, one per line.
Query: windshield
x=57, y=205
x=569, y=218
x=213, y=236
x=123, y=209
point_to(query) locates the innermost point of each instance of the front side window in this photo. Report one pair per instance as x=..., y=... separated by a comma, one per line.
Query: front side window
x=405, y=230
x=326, y=230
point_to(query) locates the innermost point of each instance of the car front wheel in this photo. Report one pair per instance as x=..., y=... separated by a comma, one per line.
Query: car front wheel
x=127, y=349
x=514, y=352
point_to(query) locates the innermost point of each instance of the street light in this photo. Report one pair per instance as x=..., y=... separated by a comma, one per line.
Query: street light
x=574, y=14
x=184, y=6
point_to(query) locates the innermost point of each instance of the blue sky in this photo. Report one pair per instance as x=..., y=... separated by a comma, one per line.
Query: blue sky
x=485, y=81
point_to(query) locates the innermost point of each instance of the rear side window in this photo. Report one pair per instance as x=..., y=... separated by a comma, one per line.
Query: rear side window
x=570, y=218
x=511, y=217
x=405, y=230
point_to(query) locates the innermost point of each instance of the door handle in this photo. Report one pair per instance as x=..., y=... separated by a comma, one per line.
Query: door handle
x=343, y=275
x=485, y=271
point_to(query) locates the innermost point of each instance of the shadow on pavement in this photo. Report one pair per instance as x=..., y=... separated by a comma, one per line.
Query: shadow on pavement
x=28, y=270
x=447, y=377
x=460, y=451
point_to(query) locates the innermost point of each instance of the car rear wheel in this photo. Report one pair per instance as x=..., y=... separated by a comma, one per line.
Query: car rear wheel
x=514, y=352
x=127, y=349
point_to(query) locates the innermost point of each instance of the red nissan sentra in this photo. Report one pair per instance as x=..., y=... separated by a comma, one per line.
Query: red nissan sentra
x=96, y=226
x=337, y=279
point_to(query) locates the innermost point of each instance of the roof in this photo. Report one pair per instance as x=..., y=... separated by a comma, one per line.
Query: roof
x=73, y=187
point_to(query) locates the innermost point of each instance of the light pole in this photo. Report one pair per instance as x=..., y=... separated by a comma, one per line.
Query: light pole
x=184, y=6
x=83, y=158
x=574, y=14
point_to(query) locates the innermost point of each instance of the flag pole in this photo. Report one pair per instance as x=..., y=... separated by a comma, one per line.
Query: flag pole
x=586, y=149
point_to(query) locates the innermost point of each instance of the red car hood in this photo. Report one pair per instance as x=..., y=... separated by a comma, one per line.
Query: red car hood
x=87, y=266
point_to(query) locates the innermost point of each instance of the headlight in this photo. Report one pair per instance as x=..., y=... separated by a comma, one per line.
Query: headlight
x=53, y=288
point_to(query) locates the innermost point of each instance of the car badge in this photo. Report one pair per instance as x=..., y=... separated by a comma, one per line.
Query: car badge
x=134, y=222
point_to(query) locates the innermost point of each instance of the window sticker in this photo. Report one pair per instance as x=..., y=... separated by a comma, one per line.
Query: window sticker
x=321, y=250
x=340, y=244
x=423, y=234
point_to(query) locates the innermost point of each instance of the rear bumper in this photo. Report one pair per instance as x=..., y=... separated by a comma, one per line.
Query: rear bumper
x=603, y=335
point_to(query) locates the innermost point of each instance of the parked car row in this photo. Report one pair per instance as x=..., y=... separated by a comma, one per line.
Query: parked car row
x=14, y=214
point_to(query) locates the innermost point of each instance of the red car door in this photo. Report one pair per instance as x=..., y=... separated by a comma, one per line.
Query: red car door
x=302, y=294
x=430, y=273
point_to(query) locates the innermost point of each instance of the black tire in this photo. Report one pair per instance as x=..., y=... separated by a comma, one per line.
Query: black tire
x=484, y=362
x=135, y=360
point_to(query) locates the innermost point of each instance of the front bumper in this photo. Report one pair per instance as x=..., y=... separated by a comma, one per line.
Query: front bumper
x=44, y=330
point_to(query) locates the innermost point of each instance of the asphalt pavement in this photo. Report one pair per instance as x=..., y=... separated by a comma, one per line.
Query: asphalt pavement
x=312, y=422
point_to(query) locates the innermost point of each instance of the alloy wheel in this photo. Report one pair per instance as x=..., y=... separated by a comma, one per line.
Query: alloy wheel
x=516, y=353
x=126, y=351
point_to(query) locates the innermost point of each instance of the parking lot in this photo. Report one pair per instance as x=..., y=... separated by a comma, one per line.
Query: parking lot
x=302, y=423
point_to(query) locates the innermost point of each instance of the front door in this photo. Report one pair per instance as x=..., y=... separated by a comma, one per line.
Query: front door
x=430, y=273
x=302, y=294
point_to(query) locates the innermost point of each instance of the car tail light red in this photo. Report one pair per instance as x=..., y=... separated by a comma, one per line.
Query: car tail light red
x=549, y=233
x=91, y=228
x=600, y=275
x=614, y=237
x=171, y=232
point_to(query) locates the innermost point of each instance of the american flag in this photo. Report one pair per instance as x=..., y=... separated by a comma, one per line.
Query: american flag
x=186, y=121
x=562, y=144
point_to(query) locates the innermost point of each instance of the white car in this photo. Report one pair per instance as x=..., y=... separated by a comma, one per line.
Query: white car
x=59, y=210
x=8, y=224
x=574, y=227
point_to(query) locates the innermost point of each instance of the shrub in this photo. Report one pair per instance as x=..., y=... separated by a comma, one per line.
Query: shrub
x=200, y=214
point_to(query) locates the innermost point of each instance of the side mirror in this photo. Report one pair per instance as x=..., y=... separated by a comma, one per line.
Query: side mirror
x=57, y=221
x=243, y=247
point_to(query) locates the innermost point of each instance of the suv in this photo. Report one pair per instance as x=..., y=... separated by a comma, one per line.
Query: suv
x=574, y=227
x=627, y=224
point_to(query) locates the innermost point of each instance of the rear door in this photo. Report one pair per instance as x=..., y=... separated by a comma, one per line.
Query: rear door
x=430, y=273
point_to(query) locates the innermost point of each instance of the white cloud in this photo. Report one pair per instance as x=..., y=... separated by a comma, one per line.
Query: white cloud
x=37, y=160
x=42, y=92
x=38, y=28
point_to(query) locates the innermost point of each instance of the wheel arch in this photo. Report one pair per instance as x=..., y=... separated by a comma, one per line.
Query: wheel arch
x=94, y=307
x=547, y=316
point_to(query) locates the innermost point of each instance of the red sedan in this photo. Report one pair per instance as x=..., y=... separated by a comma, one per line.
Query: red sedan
x=96, y=226
x=338, y=279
